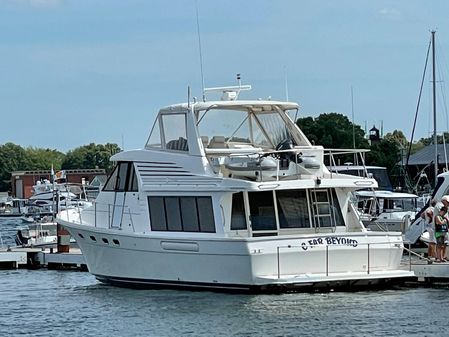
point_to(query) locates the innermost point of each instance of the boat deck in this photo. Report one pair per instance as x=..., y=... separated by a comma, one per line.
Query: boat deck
x=426, y=271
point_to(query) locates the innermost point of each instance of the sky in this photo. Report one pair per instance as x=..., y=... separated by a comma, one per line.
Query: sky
x=75, y=72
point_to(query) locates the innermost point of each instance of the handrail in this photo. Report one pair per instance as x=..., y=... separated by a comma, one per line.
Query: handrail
x=123, y=209
x=411, y=252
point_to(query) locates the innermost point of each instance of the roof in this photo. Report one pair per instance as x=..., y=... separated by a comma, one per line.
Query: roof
x=237, y=104
x=385, y=194
x=427, y=155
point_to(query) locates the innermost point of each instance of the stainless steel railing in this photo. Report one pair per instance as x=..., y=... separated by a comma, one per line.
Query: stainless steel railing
x=114, y=213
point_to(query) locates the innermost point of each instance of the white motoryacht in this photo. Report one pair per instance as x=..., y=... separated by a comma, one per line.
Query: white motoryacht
x=230, y=194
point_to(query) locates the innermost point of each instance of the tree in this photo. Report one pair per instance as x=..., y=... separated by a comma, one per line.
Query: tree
x=385, y=153
x=43, y=159
x=333, y=130
x=443, y=138
x=398, y=137
x=12, y=158
x=90, y=157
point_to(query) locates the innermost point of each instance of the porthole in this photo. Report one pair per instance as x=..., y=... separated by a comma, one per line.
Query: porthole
x=93, y=238
x=81, y=235
x=116, y=242
x=105, y=240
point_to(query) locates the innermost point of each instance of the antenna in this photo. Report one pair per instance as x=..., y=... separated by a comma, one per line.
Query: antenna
x=230, y=93
x=352, y=111
x=188, y=97
x=199, y=46
x=286, y=83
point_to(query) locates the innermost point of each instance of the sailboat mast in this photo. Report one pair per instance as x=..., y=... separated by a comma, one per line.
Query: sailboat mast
x=434, y=110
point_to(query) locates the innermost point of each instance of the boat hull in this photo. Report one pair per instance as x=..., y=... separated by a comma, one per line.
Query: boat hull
x=299, y=262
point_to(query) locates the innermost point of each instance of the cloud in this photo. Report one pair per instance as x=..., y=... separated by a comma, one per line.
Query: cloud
x=39, y=3
x=391, y=14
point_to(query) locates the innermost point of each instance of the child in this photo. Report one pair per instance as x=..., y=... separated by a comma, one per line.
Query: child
x=441, y=227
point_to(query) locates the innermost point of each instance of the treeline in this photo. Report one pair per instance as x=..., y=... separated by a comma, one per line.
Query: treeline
x=336, y=131
x=332, y=130
x=16, y=158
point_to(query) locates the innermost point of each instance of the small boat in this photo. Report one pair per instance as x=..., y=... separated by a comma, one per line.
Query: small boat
x=231, y=195
x=37, y=234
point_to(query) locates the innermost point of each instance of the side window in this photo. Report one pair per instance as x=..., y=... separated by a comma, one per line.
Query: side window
x=122, y=176
x=205, y=214
x=181, y=214
x=122, y=179
x=157, y=213
x=154, y=141
x=261, y=207
x=238, y=220
x=133, y=184
x=112, y=181
x=175, y=132
x=293, y=209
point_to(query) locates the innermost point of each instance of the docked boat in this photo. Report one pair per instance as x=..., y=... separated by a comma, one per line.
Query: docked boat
x=386, y=210
x=41, y=233
x=230, y=194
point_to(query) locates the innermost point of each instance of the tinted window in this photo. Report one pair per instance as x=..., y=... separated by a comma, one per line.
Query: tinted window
x=238, y=220
x=157, y=213
x=206, y=214
x=112, y=181
x=188, y=214
x=262, y=211
x=123, y=178
x=293, y=209
x=133, y=184
x=173, y=214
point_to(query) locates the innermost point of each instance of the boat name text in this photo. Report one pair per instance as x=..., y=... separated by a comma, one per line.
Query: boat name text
x=330, y=240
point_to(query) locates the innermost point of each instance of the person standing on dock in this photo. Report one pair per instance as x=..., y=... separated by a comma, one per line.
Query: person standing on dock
x=427, y=215
x=445, y=201
x=441, y=227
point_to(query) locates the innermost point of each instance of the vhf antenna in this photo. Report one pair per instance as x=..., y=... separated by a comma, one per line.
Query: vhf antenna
x=199, y=46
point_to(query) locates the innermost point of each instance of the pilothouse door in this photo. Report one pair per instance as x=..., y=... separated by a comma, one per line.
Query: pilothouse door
x=118, y=209
x=123, y=183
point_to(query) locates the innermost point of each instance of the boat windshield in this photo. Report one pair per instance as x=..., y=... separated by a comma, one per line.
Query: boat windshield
x=402, y=205
x=234, y=128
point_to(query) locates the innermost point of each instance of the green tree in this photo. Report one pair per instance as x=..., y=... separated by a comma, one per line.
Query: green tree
x=43, y=159
x=398, y=137
x=90, y=157
x=333, y=130
x=443, y=138
x=385, y=153
x=12, y=158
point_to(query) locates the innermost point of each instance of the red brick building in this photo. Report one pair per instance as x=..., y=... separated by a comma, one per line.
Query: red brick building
x=22, y=181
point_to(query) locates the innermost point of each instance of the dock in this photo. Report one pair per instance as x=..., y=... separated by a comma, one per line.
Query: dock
x=427, y=272
x=34, y=258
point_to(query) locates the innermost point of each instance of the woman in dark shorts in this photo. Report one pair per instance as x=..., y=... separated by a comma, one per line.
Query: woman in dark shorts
x=441, y=227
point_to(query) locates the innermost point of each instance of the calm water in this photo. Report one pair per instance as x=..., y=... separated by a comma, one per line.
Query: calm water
x=68, y=303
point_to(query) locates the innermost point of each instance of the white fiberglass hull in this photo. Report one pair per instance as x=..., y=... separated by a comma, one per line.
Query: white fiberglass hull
x=269, y=263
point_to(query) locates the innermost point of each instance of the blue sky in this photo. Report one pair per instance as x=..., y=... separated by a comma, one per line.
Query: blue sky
x=74, y=72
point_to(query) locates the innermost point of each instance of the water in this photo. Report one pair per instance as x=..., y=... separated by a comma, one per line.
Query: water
x=67, y=303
